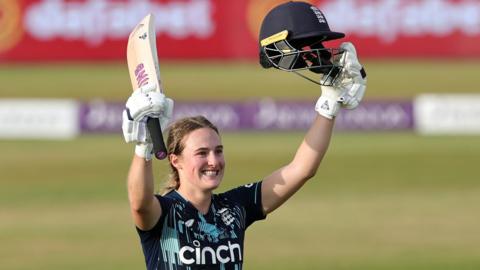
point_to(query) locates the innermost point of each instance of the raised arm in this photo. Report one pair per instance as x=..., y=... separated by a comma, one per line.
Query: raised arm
x=347, y=92
x=145, y=208
x=144, y=103
x=284, y=182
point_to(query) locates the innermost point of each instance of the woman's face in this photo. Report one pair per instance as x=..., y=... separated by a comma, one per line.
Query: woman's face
x=201, y=164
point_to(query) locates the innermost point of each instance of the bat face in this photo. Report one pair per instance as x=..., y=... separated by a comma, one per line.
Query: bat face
x=142, y=55
x=143, y=68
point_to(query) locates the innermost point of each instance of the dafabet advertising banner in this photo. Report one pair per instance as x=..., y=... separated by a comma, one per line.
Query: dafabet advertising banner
x=52, y=30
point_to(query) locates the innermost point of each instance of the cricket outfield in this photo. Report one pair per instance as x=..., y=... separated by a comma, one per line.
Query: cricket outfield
x=378, y=201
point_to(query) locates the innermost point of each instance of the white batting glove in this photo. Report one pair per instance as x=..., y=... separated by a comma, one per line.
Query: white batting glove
x=134, y=131
x=144, y=150
x=352, y=79
x=145, y=102
x=328, y=105
x=348, y=87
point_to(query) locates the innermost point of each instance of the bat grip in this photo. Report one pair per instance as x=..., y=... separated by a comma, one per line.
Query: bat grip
x=159, y=149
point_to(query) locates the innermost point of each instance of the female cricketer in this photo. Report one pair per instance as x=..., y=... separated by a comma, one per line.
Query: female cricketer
x=191, y=227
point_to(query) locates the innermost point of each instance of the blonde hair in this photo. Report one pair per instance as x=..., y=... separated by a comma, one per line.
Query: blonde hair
x=175, y=143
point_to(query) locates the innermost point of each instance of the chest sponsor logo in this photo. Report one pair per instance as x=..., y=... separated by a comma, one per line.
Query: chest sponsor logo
x=231, y=252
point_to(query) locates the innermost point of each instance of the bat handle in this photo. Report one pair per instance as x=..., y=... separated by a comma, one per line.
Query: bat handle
x=159, y=149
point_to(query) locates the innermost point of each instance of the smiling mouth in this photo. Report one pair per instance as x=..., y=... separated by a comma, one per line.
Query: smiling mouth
x=211, y=172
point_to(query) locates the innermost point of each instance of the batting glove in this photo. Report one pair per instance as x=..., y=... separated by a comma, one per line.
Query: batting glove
x=352, y=79
x=348, y=87
x=145, y=103
x=144, y=150
x=328, y=105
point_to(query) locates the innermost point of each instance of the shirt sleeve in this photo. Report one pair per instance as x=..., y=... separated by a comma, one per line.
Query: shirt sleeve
x=149, y=239
x=165, y=204
x=250, y=197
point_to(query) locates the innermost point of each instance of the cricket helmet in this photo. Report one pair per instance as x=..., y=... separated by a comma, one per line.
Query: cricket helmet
x=291, y=37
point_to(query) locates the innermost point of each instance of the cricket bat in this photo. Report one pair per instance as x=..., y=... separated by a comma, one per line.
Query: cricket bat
x=143, y=68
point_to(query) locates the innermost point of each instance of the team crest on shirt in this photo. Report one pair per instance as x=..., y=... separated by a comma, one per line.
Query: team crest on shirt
x=226, y=216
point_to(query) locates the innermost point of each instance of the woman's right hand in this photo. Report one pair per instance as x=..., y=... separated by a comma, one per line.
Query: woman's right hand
x=145, y=103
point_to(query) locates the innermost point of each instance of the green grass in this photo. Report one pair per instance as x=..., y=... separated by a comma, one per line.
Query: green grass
x=225, y=81
x=379, y=201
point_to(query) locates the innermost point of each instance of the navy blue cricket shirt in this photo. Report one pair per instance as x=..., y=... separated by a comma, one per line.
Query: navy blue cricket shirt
x=186, y=239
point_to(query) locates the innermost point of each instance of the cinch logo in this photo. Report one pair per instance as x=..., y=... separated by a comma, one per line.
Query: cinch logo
x=223, y=254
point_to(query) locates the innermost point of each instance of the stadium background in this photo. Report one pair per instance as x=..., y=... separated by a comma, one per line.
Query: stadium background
x=386, y=197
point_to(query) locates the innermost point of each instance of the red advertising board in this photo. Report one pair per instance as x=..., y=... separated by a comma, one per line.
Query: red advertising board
x=51, y=30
